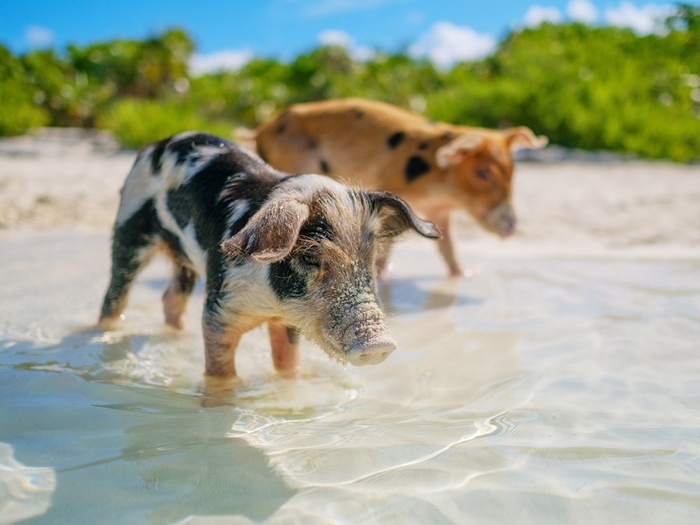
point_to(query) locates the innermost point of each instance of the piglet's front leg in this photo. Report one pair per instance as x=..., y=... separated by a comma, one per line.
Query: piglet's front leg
x=285, y=349
x=220, y=344
x=441, y=219
x=220, y=350
x=220, y=379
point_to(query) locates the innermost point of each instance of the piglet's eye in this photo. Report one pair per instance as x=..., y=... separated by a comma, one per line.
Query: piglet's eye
x=310, y=260
x=483, y=173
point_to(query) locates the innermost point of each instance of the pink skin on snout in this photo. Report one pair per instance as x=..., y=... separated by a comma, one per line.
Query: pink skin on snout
x=352, y=326
x=500, y=220
x=371, y=352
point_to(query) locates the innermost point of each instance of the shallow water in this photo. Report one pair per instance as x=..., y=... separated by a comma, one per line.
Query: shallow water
x=550, y=387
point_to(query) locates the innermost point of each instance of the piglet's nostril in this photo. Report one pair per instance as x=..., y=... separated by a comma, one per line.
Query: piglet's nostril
x=507, y=228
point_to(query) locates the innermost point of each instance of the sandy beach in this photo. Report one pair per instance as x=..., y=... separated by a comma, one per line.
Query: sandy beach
x=67, y=179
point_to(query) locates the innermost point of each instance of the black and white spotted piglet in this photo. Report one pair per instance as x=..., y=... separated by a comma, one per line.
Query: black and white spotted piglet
x=297, y=252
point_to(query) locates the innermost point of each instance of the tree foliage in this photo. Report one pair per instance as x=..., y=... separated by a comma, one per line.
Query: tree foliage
x=584, y=87
x=18, y=112
x=591, y=88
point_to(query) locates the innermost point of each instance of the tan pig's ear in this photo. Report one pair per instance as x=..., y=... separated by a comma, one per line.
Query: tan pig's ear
x=457, y=150
x=523, y=137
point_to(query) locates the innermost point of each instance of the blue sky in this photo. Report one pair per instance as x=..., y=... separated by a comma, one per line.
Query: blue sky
x=227, y=33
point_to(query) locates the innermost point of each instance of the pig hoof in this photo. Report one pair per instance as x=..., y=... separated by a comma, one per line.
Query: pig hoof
x=459, y=273
x=291, y=373
x=218, y=390
x=371, y=354
x=174, y=323
x=109, y=322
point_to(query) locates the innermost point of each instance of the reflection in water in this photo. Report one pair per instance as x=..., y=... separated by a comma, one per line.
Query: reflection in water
x=25, y=492
x=416, y=295
x=189, y=458
x=123, y=453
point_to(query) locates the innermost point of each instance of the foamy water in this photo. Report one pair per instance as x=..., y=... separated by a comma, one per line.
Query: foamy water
x=553, y=386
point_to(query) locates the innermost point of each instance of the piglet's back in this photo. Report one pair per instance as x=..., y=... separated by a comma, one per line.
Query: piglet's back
x=206, y=183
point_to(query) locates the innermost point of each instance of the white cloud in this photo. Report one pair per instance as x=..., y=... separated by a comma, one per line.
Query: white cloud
x=537, y=14
x=445, y=43
x=642, y=20
x=228, y=60
x=37, y=36
x=335, y=37
x=582, y=11
x=362, y=54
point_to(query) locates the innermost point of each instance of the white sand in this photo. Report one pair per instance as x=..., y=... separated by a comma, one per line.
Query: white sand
x=70, y=179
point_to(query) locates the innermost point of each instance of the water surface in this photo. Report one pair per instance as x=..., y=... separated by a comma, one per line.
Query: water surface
x=550, y=387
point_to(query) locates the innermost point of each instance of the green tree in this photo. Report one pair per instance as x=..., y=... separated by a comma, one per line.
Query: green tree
x=64, y=93
x=584, y=87
x=147, y=69
x=18, y=112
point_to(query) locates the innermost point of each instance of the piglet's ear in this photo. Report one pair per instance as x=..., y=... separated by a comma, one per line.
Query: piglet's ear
x=523, y=137
x=455, y=151
x=271, y=233
x=397, y=216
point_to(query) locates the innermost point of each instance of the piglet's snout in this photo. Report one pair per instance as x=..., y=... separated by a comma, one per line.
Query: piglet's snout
x=501, y=220
x=363, y=335
x=371, y=352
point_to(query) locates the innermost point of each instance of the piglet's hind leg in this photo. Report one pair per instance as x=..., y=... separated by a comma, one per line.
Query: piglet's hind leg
x=133, y=245
x=177, y=295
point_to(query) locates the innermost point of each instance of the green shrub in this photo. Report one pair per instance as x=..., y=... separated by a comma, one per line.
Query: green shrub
x=18, y=113
x=137, y=123
x=584, y=87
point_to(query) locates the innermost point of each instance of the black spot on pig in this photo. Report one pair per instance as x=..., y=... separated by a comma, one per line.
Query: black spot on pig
x=447, y=135
x=325, y=168
x=180, y=203
x=157, y=156
x=206, y=200
x=394, y=140
x=312, y=144
x=357, y=113
x=285, y=281
x=186, y=148
x=281, y=128
x=423, y=146
x=138, y=230
x=415, y=167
